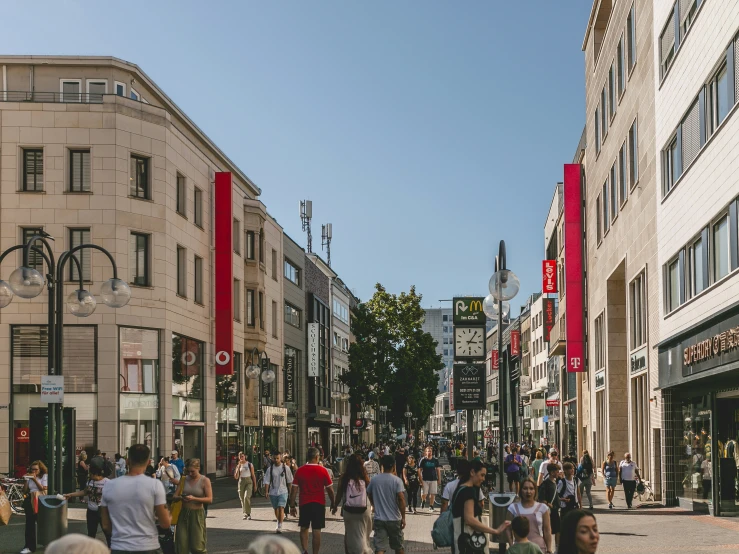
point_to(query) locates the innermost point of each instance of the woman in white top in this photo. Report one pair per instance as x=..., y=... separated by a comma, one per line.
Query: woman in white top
x=37, y=481
x=537, y=513
x=247, y=483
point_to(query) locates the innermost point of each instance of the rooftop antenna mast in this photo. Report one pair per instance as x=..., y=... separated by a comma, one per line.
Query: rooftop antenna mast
x=326, y=234
x=306, y=214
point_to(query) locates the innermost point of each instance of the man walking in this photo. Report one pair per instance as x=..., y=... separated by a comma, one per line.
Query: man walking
x=129, y=505
x=277, y=480
x=629, y=473
x=312, y=480
x=544, y=470
x=371, y=465
x=385, y=492
x=176, y=461
x=429, y=471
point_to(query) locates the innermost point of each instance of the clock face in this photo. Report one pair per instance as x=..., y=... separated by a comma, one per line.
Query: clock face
x=469, y=342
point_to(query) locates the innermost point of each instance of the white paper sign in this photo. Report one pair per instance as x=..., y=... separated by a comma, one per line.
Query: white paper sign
x=52, y=389
x=313, y=350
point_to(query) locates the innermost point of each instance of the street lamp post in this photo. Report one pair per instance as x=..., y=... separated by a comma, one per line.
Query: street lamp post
x=408, y=414
x=27, y=282
x=261, y=372
x=414, y=432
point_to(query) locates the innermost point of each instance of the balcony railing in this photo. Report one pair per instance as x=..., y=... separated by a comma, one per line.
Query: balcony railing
x=557, y=337
x=52, y=97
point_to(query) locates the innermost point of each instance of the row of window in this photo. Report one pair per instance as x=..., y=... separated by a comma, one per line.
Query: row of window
x=540, y=371
x=622, y=177
x=616, y=85
x=679, y=21
x=71, y=90
x=704, y=260
x=341, y=342
x=341, y=311
x=710, y=108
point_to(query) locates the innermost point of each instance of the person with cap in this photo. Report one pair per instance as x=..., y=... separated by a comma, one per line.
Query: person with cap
x=371, y=465
x=176, y=461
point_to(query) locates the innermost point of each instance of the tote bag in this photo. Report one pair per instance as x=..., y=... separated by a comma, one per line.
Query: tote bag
x=177, y=504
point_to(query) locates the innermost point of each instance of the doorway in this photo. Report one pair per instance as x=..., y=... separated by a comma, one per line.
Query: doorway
x=727, y=452
x=188, y=441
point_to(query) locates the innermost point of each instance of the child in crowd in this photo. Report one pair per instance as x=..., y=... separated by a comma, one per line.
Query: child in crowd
x=520, y=528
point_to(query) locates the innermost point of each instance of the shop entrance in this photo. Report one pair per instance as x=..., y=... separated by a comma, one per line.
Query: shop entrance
x=727, y=451
x=188, y=441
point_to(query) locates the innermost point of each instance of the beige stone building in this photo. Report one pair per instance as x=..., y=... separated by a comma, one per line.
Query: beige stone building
x=620, y=228
x=92, y=150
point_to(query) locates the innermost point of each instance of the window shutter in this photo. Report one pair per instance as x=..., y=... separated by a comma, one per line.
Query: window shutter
x=691, y=134
x=685, y=6
x=80, y=171
x=79, y=364
x=667, y=41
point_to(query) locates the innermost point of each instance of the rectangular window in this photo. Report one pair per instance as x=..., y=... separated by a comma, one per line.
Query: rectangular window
x=250, y=245
x=78, y=237
x=672, y=162
x=198, y=279
x=719, y=98
x=606, y=218
x=274, y=318
x=237, y=300
x=274, y=264
x=237, y=236
x=139, y=177
x=292, y=315
x=262, y=246
x=622, y=187
x=182, y=271
x=79, y=171
x=71, y=90
x=638, y=311
x=612, y=91
x=698, y=266
x=614, y=192
x=604, y=112
x=341, y=311
x=250, y=307
x=96, y=90
x=631, y=37
x=599, y=229
x=198, y=207
x=261, y=310
x=597, y=130
x=674, y=282
x=633, y=155
x=621, y=66
x=688, y=8
x=292, y=273
x=600, y=342
x=120, y=89
x=139, y=259
x=35, y=260
x=33, y=169
x=181, y=194
x=667, y=44
x=720, y=250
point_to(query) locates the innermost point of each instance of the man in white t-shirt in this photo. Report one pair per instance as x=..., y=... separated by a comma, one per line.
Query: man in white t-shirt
x=629, y=473
x=277, y=480
x=130, y=504
x=544, y=468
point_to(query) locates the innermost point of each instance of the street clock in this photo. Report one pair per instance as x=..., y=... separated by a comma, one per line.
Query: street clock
x=469, y=342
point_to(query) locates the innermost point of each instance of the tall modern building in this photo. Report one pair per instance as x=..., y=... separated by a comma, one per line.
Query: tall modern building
x=438, y=323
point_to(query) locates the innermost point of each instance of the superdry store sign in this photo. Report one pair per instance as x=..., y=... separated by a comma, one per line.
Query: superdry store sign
x=224, y=274
x=469, y=387
x=573, y=267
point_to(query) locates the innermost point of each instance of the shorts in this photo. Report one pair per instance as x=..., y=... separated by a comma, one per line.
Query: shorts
x=278, y=500
x=611, y=482
x=388, y=535
x=312, y=515
x=430, y=487
x=513, y=477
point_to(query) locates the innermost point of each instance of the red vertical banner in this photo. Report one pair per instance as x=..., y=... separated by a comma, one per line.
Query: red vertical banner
x=494, y=359
x=224, y=278
x=549, y=276
x=574, y=267
x=515, y=343
x=548, y=311
x=451, y=394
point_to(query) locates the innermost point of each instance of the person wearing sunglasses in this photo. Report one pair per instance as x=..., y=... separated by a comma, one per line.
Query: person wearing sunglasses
x=37, y=481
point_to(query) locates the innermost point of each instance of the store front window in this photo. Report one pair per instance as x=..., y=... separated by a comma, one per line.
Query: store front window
x=139, y=388
x=187, y=379
x=695, y=454
x=227, y=420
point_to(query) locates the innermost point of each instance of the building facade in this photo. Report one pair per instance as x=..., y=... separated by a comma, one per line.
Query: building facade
x=438, y=323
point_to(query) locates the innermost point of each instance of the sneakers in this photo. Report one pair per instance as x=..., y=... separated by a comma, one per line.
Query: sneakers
x=278, y=529
x=590, y=508
x=26, y=551
x=245, y=517
x=248, y=517
x=610, y=505
x=423, y=504
x=431, y=510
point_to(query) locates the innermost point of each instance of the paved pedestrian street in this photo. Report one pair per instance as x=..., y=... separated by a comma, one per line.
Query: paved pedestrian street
x=645, y=530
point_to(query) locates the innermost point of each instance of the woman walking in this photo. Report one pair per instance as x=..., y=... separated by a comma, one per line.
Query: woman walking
x=37, y=480
x=410, y=478
x=247, y=483
x=540, y=530
x=579, y=533
x=82, y=471
x=586, y=475
x=357, y=518
x=610, y=474
x=190, y=537
x=469, y=531
x=93, y=490
x=537, y=464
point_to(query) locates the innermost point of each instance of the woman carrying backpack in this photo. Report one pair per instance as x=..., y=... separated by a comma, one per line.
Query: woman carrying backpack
x=610, y=474
x=586, y=475
x=357, y=516
x=410, y=478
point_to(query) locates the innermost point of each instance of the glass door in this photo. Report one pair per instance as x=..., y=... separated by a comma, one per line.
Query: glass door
x=188, y=441
x=727, y=452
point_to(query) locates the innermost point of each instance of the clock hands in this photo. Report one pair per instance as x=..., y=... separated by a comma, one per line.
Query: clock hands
x=472, y=339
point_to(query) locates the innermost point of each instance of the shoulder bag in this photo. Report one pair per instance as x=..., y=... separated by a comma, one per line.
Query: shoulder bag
x=177, y=504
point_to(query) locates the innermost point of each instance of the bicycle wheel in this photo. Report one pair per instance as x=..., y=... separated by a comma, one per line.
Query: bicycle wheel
x=15, y=497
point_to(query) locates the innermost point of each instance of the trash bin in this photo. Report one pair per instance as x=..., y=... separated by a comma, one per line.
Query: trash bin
x=52, y=518
x=499, y=502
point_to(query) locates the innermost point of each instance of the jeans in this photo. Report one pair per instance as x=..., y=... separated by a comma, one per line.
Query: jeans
x=585, y=487
x=629, y=489
x=412, y=495
x=93, y=521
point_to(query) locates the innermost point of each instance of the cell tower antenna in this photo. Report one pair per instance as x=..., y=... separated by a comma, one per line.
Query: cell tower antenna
x=326, y=235
x=306, y=214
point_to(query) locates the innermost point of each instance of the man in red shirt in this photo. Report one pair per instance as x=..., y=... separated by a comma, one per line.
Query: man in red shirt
x=312, y=479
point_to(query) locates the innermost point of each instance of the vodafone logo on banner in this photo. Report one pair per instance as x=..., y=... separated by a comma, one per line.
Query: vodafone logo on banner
x=223, y=357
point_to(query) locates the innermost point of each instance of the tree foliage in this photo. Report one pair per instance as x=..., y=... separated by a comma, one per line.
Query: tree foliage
x=393, y=361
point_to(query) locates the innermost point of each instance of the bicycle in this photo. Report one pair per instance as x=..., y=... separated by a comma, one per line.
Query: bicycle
x=13, y=489
x=261, y=488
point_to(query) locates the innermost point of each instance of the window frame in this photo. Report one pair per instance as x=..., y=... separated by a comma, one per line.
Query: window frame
x=623, y=185
x=134, y=235
x=603, y=115
x=116, y=84
x=181, y=194
x=89, y=82
x=725, y=218
x=614, y=200
x=620, y=68
x=713, y=106
x=236, y=231
x=633, y=140
x=35, y=260
x=80, y=254
x=132, y=92
x=671, y=159
x=612, y=94
x=669, y=307
x=638, y=311
x=295, y=270
x=665, y=63
x=63, y=95
x=274, y=264
x=70, y=158
x=181, y=271
x=237, y=300
x=197, y=199
x=631, y=39
x=702, y=238
x=293, y=309
x=24, y=170
x=147, y=176
x=605, y=208
x=597, y=130
x=249, y=253
x=250, y=308
x=275, y=320
x=198, y=280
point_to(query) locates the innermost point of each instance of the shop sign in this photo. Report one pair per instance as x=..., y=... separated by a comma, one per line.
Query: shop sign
x=324, y=412
x=548, y=305
x=469, y=393
x=224, y=305
x=718, y=346
x=451, y=394
x=139, y=402
x=313, y=350
x=600, y=379
x=266, y=387
x=272, y=416
x=574, y=331
x=4, y=406
x=22, y=434
x=525, y=385
x=552, y=403
x=52, y=389
x=468, y=311
x=494, y=359
x=639, y=361
x=515, y=343
x=549, y=276
x=520, y=406
x=289, y=379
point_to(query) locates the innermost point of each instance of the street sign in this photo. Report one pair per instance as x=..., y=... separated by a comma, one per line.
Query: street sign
x=469, y=386
x=468, y=311
x=313, y=370
x=52, y=389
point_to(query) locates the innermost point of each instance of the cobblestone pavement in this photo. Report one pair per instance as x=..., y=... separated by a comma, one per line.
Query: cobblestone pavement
x=646, y=529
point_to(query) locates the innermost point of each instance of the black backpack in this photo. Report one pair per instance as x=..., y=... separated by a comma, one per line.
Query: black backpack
x=272, y=473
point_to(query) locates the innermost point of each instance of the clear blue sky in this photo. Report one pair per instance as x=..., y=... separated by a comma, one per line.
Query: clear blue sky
x=425, y=131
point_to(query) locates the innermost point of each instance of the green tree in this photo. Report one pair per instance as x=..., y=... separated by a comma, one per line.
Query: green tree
x=393, y=361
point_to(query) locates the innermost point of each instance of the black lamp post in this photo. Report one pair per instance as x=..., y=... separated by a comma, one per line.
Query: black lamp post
x=27, y=282
x=262, y=372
